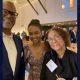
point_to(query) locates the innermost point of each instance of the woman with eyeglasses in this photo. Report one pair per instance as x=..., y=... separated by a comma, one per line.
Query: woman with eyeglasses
x=59, y=63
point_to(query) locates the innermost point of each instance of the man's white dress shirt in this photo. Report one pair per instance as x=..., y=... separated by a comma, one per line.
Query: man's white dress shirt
x=11, y=50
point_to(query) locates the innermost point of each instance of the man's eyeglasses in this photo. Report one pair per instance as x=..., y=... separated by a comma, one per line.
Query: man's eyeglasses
x=6, y=12
x=57, y=37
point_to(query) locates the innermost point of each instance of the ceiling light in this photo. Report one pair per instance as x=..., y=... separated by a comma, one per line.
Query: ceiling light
x=63, y=6
x=15, y=1
x=71, y=3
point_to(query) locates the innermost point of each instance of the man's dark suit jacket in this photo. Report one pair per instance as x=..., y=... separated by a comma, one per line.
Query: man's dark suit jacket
x=73, y=37
x=67, y=67
x=20, y=66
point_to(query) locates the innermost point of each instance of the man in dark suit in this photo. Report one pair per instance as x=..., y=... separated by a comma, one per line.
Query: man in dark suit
x=73, y=34
x=13, y=55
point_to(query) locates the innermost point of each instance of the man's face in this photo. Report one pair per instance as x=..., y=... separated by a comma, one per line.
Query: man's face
x=9, y=15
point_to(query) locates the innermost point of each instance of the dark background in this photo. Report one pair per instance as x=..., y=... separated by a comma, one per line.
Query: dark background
x=78, y=37
x=0, y=39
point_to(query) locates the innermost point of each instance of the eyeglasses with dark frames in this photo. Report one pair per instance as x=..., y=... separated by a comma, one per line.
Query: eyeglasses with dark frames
x=6, y=12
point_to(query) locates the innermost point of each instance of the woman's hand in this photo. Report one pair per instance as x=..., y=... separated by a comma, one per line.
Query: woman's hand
x=60, y=78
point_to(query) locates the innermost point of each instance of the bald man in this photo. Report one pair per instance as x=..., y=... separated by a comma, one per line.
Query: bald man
x=13, y=56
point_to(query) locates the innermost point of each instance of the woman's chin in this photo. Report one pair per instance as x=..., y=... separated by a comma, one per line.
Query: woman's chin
x=56, y=48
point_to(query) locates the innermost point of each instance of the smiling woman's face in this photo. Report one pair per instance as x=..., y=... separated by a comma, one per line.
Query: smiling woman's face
x=55, y=40
x=34, y=34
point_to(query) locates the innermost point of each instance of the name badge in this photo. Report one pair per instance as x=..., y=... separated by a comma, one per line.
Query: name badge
x=51, y=65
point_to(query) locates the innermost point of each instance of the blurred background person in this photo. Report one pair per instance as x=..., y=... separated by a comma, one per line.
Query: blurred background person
x=34, y=52
x=73, y=33
x=18, y=34
x=73, y=39
x=25, y=38
x=64, y=59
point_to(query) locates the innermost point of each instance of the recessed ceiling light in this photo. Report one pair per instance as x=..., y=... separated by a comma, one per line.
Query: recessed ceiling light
x=15, y=1
x=63, y=6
